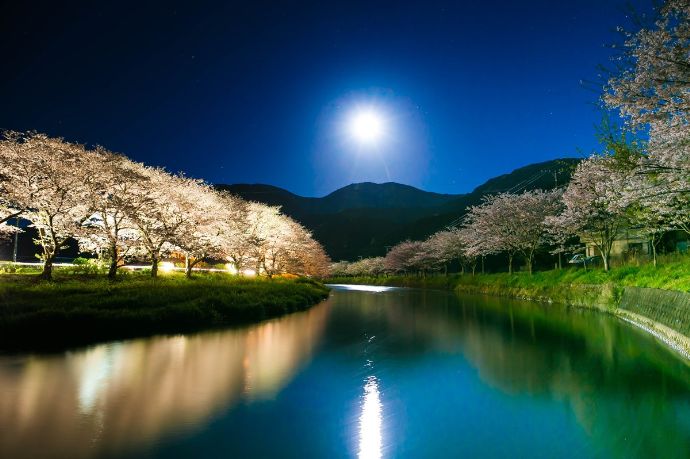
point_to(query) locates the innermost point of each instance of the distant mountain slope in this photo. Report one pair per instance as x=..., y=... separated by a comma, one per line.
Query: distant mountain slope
x=363, y=219
x=385, y=195
x=365, y=195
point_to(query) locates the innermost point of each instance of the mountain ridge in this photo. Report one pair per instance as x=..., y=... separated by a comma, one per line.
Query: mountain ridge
x=362, y=219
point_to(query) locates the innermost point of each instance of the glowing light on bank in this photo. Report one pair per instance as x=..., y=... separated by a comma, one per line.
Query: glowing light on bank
x=370, y=435
x=166, y=266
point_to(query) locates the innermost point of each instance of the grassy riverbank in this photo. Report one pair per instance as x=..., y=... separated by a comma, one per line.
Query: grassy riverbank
x=79, y=309
x=673, y=275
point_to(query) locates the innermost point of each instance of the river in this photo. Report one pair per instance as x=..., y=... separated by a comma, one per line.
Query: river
x=372, y=372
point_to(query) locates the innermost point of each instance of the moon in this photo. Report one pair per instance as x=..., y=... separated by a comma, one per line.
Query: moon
x=367, y=126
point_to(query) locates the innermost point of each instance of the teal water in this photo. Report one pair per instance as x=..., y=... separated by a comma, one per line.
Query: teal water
x=369, y=373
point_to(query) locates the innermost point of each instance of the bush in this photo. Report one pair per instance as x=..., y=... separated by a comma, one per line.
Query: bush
x=8, y=268
x=88, y=266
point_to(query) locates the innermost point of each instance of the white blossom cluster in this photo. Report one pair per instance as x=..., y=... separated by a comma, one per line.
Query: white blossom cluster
x=121, y=209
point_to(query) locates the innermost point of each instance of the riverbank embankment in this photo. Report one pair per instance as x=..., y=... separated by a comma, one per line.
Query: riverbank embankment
x=83, y=309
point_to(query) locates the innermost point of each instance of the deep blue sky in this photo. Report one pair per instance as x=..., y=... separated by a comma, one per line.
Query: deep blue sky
x=256, y=92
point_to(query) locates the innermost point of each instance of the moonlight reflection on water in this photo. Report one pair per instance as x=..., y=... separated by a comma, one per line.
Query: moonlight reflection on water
x=370, y=440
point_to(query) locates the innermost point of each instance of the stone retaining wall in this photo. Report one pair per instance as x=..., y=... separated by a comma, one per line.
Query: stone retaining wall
x=667, y=307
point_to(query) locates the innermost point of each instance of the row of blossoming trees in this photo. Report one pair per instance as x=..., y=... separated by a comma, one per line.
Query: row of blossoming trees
x=639, y=181
x=121, y=209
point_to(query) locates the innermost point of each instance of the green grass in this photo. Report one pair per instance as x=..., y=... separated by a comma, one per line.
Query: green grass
x=593, y=287
x=669, y=275
x=75, y=309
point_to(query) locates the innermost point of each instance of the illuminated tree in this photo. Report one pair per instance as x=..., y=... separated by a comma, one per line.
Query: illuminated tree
x=201, y=233
x=44, y=178
x=158, y=211
x=116, y=190
x=117, y=207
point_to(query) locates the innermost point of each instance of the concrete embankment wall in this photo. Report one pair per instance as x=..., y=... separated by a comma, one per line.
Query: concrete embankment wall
x=603, y=296
x=669, y=308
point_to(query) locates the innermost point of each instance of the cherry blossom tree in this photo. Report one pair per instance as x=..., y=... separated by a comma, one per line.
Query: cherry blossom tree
x=427, y=257
x=158, y=210
x=513, y=223
x=438, y=250
x=44, y=178
x=262, y=221
x=595, y=207
x=116, y=190
x=314, y=261
x=651, y=90
x=475, y=245
x=400, y=258
x=340, y=268
x=201, y=234
x=7, y=214
x=236, y=231
x=7, y=211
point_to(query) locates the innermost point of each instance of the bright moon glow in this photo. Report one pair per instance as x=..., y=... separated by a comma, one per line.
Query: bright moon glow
x=367, y=126
x=370, y=440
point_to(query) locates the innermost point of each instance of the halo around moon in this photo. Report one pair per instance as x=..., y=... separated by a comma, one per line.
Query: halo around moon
x=366, y=126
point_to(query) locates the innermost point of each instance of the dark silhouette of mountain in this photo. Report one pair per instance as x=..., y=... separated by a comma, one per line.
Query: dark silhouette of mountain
x=363, y=219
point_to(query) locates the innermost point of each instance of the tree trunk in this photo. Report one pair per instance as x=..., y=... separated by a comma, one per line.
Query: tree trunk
x=560, y=263
x=112, y=270
x=510, y=264
x=154, y=266
x=653, y=243
x=47, y=273
x=529, y=264
x=605, y=257
x=482, y=264
x=187, y=267
x=49, y=252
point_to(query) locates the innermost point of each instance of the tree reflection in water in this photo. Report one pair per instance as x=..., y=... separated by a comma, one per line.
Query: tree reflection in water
x=113, y=397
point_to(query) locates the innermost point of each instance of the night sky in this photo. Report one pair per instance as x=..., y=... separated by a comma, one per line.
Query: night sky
x=257, y=92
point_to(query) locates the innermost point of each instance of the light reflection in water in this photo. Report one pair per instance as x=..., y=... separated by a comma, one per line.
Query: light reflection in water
x=363, y=288
x=370, y=436
x=111, y=398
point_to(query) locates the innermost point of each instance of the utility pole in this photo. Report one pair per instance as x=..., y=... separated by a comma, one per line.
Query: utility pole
x=16, y=242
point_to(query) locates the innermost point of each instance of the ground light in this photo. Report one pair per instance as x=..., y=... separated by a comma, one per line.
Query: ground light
x=166, y=266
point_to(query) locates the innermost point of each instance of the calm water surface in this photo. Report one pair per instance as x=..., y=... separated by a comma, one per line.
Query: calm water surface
x=369, y=373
